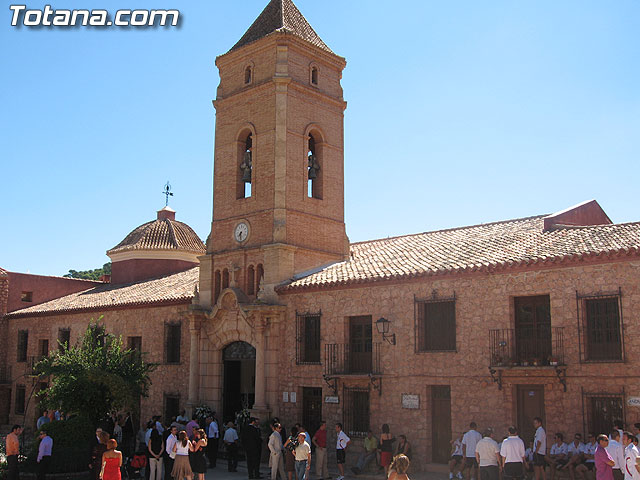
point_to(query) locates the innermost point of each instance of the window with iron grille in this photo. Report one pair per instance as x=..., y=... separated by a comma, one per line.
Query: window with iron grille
x=172, y=338
x=134, y=343
x=20, y=398
x=436, y=322
x=64, y=338
x=602, y=410
x=23, y=342
x=603, y=339
x=308, y=338
x=356, y=411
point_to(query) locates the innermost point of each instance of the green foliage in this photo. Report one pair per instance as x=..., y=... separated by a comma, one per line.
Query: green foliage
x=90, y=274
x=71, y=445
x=95, y=377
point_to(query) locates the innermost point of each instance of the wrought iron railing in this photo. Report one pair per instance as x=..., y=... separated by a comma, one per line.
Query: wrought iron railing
x=344, y=359
x=527, y=347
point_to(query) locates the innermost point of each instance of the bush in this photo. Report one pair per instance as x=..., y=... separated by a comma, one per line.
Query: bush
x=72, y=441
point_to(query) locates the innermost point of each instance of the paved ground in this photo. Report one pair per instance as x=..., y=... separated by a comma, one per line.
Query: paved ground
x=221, y=473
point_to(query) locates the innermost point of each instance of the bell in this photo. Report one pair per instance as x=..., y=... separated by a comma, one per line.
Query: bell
x=312, y=174
x=246, y=175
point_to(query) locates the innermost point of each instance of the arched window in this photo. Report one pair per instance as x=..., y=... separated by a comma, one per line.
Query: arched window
x=248, y=75
x=259, y=275
x=314, y=76
x=251, y=280
x=314, y=170
x=217, y=286
x=225, y=279
x=245, y=167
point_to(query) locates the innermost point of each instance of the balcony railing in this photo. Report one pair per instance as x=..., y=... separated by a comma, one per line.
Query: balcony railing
x=343, y=359
x=5, y=374
x=527, y=347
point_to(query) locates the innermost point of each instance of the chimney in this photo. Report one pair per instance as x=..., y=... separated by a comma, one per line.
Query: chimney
x=167, y=213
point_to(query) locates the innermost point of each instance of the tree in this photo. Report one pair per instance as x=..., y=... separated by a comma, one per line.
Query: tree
x=94, y=274
x=95, y=377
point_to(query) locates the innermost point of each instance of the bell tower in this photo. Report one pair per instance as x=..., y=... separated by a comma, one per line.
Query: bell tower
x=278, y=198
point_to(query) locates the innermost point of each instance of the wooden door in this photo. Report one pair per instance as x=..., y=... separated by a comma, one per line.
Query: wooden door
x=530, y=405
x=360, y=344
x=440, y=423
x=311, y=408
x=533, y=329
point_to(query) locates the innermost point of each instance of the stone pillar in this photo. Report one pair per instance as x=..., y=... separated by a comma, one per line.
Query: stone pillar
x=260, y=404
x=194, y=363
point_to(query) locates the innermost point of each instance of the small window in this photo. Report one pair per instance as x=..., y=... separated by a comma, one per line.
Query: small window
x=259, y=276
x=314, y=76
x=26, y=296
x=134, y=343
x=64, y=339
x=172, y=342
x=314, y=169
x=248, y=75
x=245, y=168
x=308, y=338
x=171, y=406
x=225, y=278
x=20, y=399
x=436, y=326
x=356, y=411
x=251, y=280
x=23, y=343
x=217, y=285
x=43, y=348
x=602, y=325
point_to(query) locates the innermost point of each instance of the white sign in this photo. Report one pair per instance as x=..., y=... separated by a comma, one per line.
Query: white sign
x=292, y=397
x=330, y=399
x=285, y=397
x=410, y=401
x=633, y=401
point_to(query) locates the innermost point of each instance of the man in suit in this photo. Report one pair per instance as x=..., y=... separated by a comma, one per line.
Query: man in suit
x=252, y=441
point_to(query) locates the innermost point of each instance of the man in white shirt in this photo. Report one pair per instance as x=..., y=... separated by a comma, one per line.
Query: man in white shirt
x=231, y=444
x=213, y=437
x=631, y=468
x=539, y=449
x=342, y=441
x=589, y=463
x=275, y=453
x=182, y=418
x=303, y=457
x=469, y=442
x=169, y=454
x=575, y=453
x=616, y=451
x=557, y=457
x=512, y=455
x=487, y=456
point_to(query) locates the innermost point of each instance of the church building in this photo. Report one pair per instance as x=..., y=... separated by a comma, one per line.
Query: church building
x=280, y=314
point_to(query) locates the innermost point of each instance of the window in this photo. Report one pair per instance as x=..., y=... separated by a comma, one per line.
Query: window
x=602, y=329
x=356, y=411
x=171, y=406
x=20, y=398
x=602, y=410
x=314, y=76
x=436, y=325
x=251, y=280
x=172, y=337
x=23, y=342
x=134, y=343
x=43, y=348
x=314, y=172
x=26, y=296
x=248, y=75
x=217, y=285
x=533, y=329
x=64, y=338
x=308, y=338
x=259, y=276
x=245, y=166
x=225, y=278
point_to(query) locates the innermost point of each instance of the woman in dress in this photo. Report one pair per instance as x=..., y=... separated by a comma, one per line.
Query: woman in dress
x=198, y=462
x=181, y=466
x=386, y=448
x=111, y=462
x=289, y=456
x=399, y=467
x=96, y=455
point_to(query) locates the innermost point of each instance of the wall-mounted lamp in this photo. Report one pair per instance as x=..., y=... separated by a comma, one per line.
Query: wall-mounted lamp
x=382, y=324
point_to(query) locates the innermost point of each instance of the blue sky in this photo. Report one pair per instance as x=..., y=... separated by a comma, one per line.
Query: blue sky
x=459, y=112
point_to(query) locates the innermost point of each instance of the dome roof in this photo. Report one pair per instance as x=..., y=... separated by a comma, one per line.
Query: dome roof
x=164, y=233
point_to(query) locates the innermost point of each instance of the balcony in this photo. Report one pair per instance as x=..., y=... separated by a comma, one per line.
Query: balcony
x=342, y=359
x=540, y=346
x=5, y=375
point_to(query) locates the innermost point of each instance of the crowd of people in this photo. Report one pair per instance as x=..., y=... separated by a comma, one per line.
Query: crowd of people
x=612, y=456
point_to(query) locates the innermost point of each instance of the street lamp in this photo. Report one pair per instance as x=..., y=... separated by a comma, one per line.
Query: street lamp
x=382, y=324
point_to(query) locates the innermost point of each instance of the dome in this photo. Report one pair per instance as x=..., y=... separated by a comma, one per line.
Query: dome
x=164, y=233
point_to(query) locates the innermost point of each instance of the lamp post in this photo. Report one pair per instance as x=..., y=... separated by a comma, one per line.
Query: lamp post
x=382, y=325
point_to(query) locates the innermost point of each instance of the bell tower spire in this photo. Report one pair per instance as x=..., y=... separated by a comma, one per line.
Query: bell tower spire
x=279, y=163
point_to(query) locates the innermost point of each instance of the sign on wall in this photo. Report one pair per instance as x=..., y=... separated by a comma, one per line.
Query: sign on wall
x=285, y=397
x=633, y=401
x=410, y=401
x=292, y=397
x=331, y=399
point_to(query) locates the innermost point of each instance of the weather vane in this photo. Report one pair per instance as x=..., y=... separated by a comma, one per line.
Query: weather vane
x=168, y=193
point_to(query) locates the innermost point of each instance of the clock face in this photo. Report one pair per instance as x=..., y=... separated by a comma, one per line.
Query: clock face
x=241, y=232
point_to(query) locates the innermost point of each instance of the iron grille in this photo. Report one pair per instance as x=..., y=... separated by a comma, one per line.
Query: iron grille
x=356, y=411
x=600, y=327
x=340, y=360
x=602, y=410
x=436, y=326
x=308, y=338
x=527, y=346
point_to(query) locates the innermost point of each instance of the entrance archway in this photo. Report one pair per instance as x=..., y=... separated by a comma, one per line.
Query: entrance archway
x=239, y=374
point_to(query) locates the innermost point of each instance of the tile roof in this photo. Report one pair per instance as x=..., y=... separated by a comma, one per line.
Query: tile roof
x=168, y=289
x=3, y=271
x=284, y=17
x=492, y=246
x=161, y=234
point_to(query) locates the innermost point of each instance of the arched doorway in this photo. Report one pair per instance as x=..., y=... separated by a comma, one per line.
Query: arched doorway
x=239, y=360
